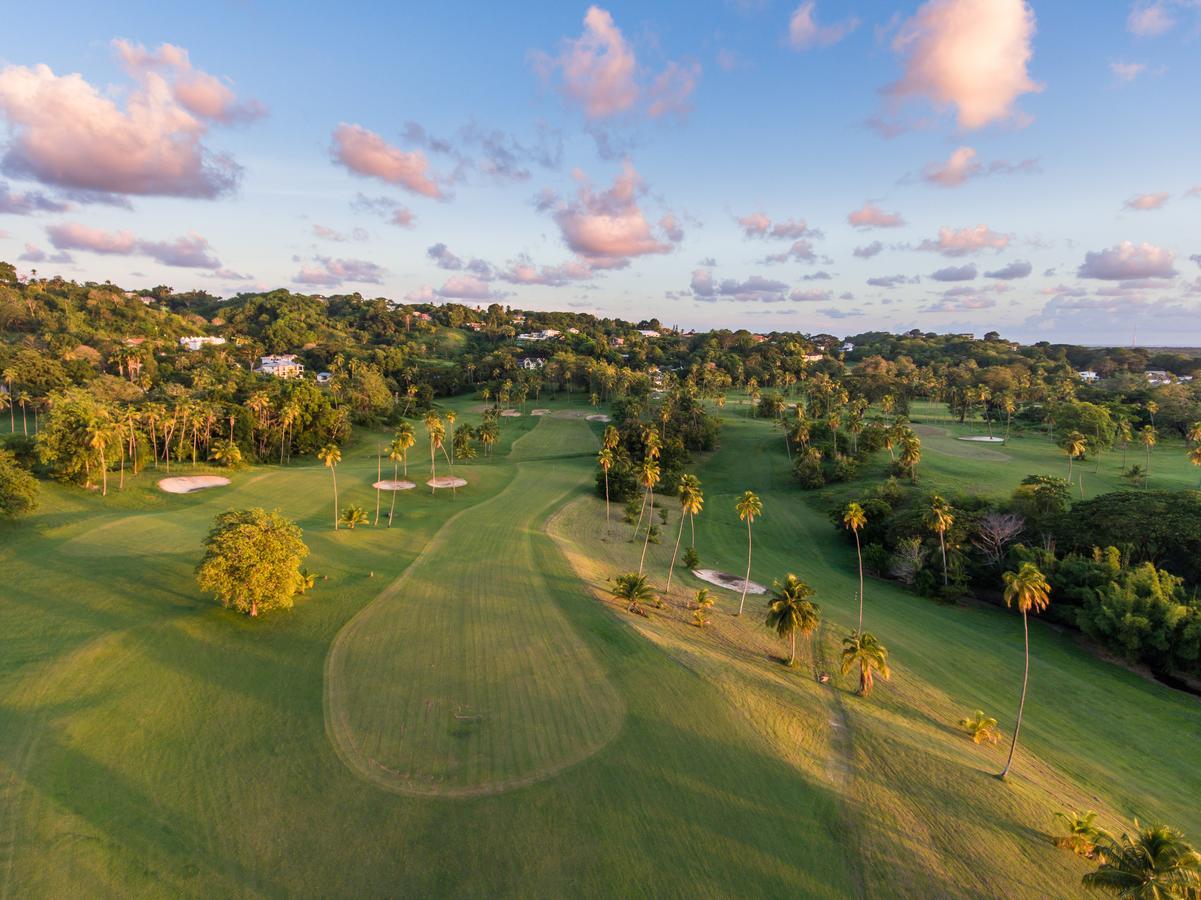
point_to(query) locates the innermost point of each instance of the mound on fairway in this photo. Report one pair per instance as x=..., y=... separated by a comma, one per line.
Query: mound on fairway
x=465, y=676
x=389, y=485
x=445, y=481
x=728, y=581
x=187, y=484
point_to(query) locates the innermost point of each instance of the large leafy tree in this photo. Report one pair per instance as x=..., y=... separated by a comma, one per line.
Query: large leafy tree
x=18, y=489
x=791, y=610
x=1028, y=590
x=252, y=560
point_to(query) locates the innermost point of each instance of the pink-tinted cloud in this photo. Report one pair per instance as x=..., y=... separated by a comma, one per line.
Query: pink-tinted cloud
x=36, y=254
x=1150, y=19
x=800, y=251
x=1128, y=261
x=327, y=272
x=366, y=153
x=73, y=236
x=599, y=72
x=672, y=228
x=609, y=225
x=804, y=32
x=1012, y=271
x=963, y=241
x=963, y=165
x=967, y=55
x=871, y=216
x=325, y=233
x=1127, y=71
x=188, y=252
x=963, y=303
x=892, y=281
x=523, y=271
x=28, y=202
x=1146, y=202
x=467, y=287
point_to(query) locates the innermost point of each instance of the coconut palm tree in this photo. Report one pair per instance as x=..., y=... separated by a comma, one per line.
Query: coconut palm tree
x=1194, y=433
x=911, y=453
x=633, y=590
x=855, y=518
x=692, y=501
x=980, y=728
x=611, y=439
x=939, y=519
x=437, y=434
x=605, y=459
x=227, y=453
x=1155, y=864
x=1027, y=589
x=451, y=416
x=1083, y=834
x=703, y=602
x=1149, y=438
x=331, y=455
x=649, y=477
x=354, y=515
x=860, y=648
x=651, y=443
x=749, y=507
x=1075, y=446
x=792, y=610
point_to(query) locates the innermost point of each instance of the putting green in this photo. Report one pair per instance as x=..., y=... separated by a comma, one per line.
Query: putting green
x=464, y=676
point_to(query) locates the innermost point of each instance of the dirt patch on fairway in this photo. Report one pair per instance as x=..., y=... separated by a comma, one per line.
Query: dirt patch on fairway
x=511, y=413
x=727, y=581
x=389, y=485
x=447, y=481
x=599, y=417
x=187, y=484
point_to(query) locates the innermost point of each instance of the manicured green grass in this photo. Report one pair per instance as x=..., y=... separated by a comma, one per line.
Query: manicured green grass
x=153, y=744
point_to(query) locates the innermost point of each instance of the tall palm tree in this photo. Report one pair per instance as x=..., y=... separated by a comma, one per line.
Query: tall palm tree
x=1194, y=433
x=860, y=648
x=1149, y=438
x=97, y=435
x=633, y=589
x=939, y=519
x=1075, y=446
x=792, y=610
x=437, y=434
x=651, y=443
x=1155, y=864
x=604, y=459
x=855, y=518
x=611, y=439
x=331, y=455
x=692, y=501
x=451, y=416
x=649, y=477
x=749, y=506
x=402, y=441
x=1027, y=589
x=911, y=454
x=1125, y=436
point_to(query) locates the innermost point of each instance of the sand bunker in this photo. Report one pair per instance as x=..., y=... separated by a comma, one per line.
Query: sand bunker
x=982, y=439
x=186, y=484
x=727, y=581
x=389, y=485
x=540, y=412
x=599, y=417
x=510, y=412
x=447, y=481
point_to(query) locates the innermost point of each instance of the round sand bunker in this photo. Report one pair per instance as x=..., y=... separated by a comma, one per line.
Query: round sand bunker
x=447, y=481
x=727, y=581
x=510, y=413
x=599, y=417
x=982, y=439
x=187, y=484
x=389, y=485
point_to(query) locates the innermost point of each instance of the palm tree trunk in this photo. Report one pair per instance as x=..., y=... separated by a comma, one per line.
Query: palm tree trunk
x=746, y=581
x=606, y=503
x=859, y=552
x=672, y=567
x=379, y=474
x=942, y=542
x=641, y=513
x=649, y=525
x=334, y=475
x=1021, y=703
x=103, y=474
x=792, y=655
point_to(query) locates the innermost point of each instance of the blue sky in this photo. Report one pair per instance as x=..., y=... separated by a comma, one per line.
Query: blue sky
x=649, y=131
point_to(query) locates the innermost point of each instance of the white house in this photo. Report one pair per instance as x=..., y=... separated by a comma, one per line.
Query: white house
x=1088, y=375
x=812, y=357
x=544, y=335
x=324, y=377
x=282, y=366
x=848, y=347
x=195, y=342
x=532, y=362
x=648, y=333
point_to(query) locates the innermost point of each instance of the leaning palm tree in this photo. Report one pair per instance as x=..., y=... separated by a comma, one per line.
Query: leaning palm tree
x=1075, y=446
x=980, y=728
x=911, y=454
x=605, y=459
x=331, y=455
x=860, y=648
x=649, y=476
x=633, y=590
x=939, y=519
x=1156, y=864
x=1083, y=834
x=1027, y=589
x=692, y=501
x=97, y=434
x=855, y=518
x=792, y=610
x=749, y=506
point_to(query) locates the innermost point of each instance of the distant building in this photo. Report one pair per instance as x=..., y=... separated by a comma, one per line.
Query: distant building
x=544, y=335
x=848, y=347
x=1088, y=375
x=324, y=377
x=1159, y=376
x=195, y=342
x=532, y=362
x=617, y=341
x=813, y=357
x=281, y=366
x=648, y=333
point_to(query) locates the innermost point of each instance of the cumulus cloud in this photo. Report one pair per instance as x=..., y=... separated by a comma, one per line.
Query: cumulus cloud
x=445, y=259
x=871, y=216
x=955, y=273
x=67, y=133
x=963, y=165
x=1128, y=261
x=1150, y=19
x=467, y=287
x=867, y=251
x=609, y=225
x=804, y=32
x=28, y=202
x=1016, y=269
x=365, y=153
x=523, y=271
x=759, y=225
x=800, y=251
x=964, y=241
x=190, y=251
x=1146, y=202
x=599, y=72
x=328, y=272
x=1127, y=71
x=755, y=289
x=969, y=55
x=891, y=281
x=33, y=253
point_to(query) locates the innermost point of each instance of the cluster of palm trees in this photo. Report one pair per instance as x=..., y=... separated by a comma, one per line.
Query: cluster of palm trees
x=1155, y=862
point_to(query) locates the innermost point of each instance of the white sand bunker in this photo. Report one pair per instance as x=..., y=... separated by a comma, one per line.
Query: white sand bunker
x=186, y=484
x=599, y=417
x=510, y=412
x=982, y=439
x=447, y=481
x=540, y=412
x=727, y=581
x=389, y=485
